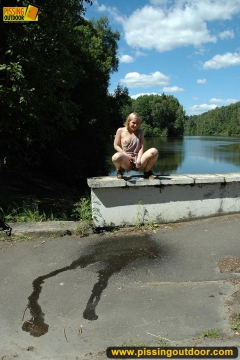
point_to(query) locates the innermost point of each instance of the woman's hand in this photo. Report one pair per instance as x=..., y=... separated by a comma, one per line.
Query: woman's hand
x=139, y=166
x=130, y=157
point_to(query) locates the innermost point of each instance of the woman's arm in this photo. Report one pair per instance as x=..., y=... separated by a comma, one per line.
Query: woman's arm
x=117, y=140
x=141, y=138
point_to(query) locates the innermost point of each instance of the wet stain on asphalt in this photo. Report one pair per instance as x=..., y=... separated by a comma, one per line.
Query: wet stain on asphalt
x=115, y=254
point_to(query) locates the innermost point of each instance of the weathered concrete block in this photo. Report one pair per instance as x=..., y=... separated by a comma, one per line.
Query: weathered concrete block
x=171, y=198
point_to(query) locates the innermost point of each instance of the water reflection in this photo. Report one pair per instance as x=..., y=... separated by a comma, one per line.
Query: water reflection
x=213, y=153
x=229, y=153
x=193, y=154
x=114, y=255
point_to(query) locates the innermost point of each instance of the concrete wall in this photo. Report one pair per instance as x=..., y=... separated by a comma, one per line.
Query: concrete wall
x=134, y=201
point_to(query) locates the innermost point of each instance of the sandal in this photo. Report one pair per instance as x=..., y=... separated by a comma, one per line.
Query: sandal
x=149, y=175
x=119, y=174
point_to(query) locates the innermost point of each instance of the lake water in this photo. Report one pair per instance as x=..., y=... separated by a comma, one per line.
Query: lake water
x=193, y=155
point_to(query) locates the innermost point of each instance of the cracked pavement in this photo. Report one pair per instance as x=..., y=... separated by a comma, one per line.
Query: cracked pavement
x=71, y=297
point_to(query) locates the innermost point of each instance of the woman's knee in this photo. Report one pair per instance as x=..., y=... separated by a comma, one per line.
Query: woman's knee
x=116, y=157
x=154, y=151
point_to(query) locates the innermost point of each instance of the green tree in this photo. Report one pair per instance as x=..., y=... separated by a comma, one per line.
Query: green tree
x=223, y=120
x=161, y=115
x=119, y=103
x=37, y=76
x=53, y=96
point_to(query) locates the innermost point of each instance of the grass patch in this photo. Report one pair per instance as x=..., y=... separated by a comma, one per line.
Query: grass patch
x=29, y=195
x=134, y=344
x=162, y=343
x=82, y=229
x=82, y=210
x=235, y=326
x=29, y=211
x=212, y=333
x=236, y=322
x=17, y=238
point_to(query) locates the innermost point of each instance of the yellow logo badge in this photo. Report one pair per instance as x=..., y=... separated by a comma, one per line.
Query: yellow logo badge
x=20, y=14
x=32, y=12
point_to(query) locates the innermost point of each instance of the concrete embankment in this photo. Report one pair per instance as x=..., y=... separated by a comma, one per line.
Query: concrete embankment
x=171, y=198
x=50, y=228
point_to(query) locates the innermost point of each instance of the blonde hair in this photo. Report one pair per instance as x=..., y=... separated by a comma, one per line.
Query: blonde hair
x=130, y=117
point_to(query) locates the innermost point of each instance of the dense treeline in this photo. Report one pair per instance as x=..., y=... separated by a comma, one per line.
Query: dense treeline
x=220, y=121
x=55, y=110
x=162, y=115
x=56, y=115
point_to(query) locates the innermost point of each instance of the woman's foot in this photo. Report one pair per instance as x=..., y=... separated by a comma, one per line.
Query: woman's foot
x=149, y=175
x=119, y=174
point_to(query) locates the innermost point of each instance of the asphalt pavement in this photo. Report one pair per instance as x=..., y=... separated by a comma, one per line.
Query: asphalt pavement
x=68, y=297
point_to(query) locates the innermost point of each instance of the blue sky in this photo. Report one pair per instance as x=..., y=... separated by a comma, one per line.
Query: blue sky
x=188, y=49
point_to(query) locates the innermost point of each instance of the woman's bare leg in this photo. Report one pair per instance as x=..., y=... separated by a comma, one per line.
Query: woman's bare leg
x=149, y=158
x=121, y=160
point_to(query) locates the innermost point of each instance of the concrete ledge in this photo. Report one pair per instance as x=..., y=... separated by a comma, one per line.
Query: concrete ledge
x=134, y=200
x=47, y=228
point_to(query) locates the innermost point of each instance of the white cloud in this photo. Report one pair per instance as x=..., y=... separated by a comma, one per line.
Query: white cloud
x=199, y=109
x=126, y=59
x=140, y=53
x=152, y=27
x=201, y=81
x=222, y=101
x=159, y=2
x=227, y=34
x=217, y=9
x=201, y=51
x=220, y=61
x=102, y=8
x=142, y=94
x=167, y=24
x=172, y=89
x=113, y=11
x=134, y=80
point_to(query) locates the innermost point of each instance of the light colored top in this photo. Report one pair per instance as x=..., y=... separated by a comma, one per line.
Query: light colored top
x=133, y=148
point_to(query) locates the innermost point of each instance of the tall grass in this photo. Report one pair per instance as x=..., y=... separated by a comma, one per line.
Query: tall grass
x=82, y=210
x=29, y=212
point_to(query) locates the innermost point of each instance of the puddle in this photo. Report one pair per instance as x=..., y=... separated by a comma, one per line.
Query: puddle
x=114, y=253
